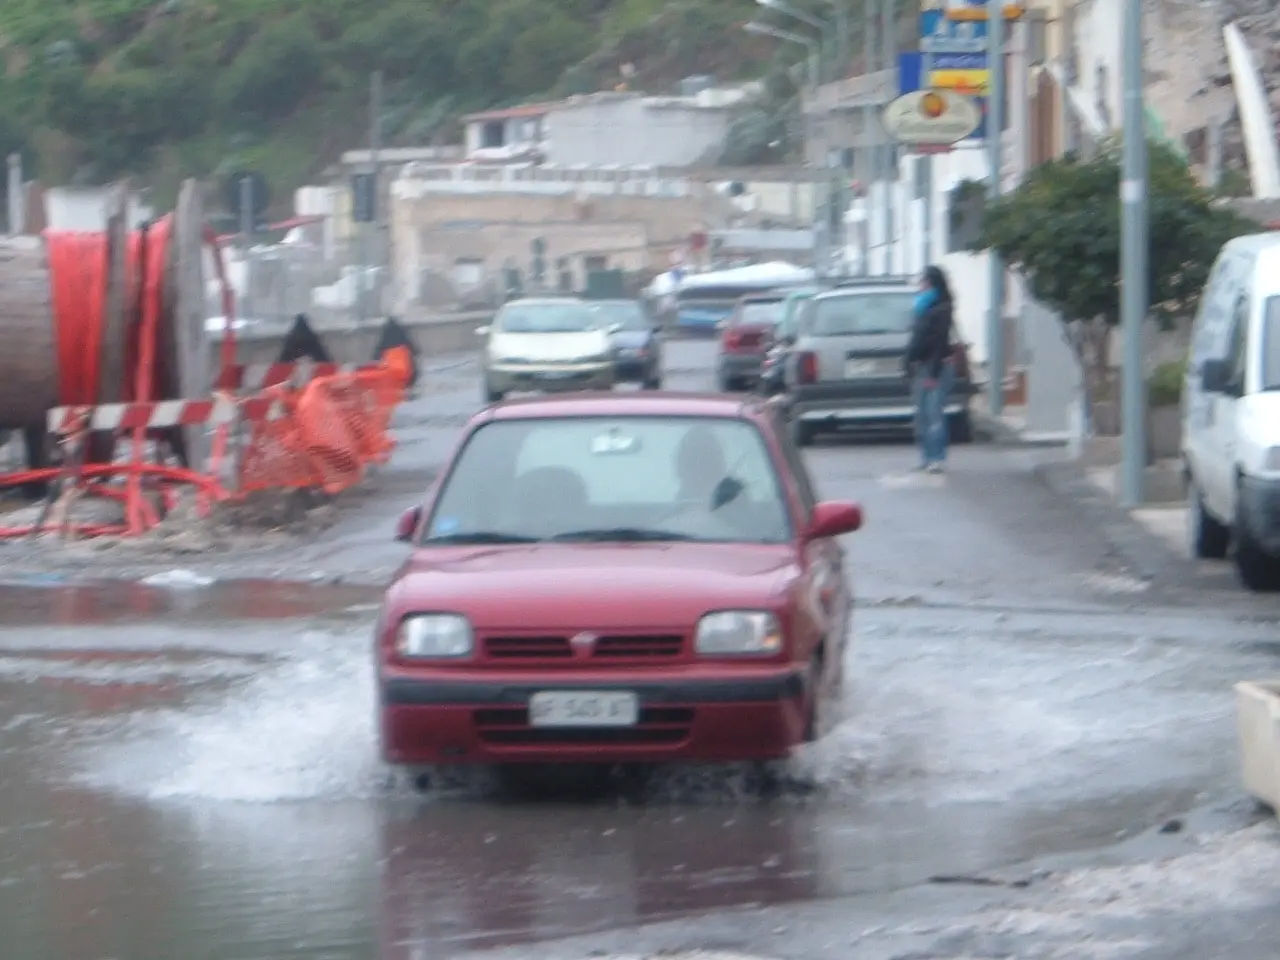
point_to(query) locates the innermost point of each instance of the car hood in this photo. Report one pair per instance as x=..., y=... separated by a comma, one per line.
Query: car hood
x=593, y=586
x=631, y=338
x=548, y=346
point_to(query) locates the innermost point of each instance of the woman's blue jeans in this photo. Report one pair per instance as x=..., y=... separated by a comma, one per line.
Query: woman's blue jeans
x=931, y=428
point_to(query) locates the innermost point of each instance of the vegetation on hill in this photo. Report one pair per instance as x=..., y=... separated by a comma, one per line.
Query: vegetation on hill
x=91, y=90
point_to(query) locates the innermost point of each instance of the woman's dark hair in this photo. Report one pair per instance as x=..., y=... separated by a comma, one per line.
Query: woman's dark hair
x=936, y=279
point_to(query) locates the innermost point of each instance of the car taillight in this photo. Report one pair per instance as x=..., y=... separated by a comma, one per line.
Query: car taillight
x=807, y=367
x=732, y=337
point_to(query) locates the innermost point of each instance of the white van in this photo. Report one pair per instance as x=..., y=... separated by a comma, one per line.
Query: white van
x=1231, y=413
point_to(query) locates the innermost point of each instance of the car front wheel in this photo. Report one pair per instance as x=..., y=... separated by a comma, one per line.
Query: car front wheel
x=961, y=427
x=801, y=433
x=491, y=395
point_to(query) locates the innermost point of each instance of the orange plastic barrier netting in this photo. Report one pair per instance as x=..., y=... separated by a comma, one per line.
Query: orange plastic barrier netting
x=331, y=431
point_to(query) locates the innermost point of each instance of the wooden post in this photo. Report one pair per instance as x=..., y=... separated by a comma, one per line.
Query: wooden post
x=186, y=274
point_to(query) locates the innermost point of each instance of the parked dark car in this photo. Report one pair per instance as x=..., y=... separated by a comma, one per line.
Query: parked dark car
x=846, y=368
x=745, y=338
x=637, y=341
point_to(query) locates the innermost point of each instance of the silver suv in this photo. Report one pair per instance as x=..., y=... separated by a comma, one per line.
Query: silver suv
x=846, y=367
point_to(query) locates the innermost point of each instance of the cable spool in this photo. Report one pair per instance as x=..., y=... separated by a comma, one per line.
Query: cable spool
x=104, y=317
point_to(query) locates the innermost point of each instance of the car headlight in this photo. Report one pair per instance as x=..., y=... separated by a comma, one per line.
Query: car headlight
x=435, y=636
x=750, y=633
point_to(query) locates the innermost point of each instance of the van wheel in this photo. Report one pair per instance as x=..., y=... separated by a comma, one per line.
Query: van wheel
x=1209, y=538
x=1258, y=570
x=492, y=396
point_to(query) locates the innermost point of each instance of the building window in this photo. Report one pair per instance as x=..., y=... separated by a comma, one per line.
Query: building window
x=595, y=262
x=492, y=134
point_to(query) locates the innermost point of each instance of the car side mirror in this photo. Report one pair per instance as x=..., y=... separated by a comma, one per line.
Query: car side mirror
x=832, y=518
x=407, y=525
x=1215, y=376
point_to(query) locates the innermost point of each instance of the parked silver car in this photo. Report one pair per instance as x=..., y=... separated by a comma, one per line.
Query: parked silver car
x=846, y=367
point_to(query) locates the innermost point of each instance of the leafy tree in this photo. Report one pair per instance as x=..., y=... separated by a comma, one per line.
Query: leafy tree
x=1061, y=231
x=273, y=73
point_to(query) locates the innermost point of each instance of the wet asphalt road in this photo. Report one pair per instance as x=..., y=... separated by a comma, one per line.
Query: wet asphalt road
x=192, y=772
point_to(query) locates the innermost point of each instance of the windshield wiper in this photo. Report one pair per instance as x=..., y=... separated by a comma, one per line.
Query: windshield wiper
x=482, y=536
x=622, y=535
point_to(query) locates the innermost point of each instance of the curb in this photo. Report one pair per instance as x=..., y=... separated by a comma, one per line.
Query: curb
x=995, y=430
x=1146, y=553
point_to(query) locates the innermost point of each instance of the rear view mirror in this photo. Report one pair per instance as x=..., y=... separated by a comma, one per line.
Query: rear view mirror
x=1215, y=375
x=407, y=525
x=832, y=518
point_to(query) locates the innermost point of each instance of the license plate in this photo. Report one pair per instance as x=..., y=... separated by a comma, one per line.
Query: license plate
x=861, y=368
x=583, y=708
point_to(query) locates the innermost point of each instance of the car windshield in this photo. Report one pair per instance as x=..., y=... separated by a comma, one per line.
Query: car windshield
x=861, y=313
x=760, y=313
x=1271, y=345
x=620, y=479
x=628, y=314
x=546, y=318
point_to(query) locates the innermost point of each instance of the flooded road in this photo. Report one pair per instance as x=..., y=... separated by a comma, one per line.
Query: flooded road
x=188, y=767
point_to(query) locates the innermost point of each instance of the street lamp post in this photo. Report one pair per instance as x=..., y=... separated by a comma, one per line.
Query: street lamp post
x=1133, y=261
x=995, y=160
x=811, y=45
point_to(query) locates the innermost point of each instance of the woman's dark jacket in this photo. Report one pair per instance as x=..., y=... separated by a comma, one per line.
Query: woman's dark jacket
x=930, y=343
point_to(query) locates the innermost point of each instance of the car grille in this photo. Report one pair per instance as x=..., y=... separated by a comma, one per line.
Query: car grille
x=611, y=648
x=509, y=726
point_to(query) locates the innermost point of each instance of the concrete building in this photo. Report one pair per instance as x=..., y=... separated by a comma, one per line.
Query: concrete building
x=455, y=227
x=603, y=129
x=511, y=133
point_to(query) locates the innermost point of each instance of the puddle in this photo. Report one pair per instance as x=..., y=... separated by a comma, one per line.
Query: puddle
x=49, y=601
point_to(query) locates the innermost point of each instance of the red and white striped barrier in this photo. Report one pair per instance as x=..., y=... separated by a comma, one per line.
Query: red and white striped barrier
x=261, y=376
x=168, y=413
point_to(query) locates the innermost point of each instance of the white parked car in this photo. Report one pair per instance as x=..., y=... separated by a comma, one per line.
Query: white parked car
x=1231, y=416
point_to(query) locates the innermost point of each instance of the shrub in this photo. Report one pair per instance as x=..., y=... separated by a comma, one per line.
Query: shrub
x=272, y=74
x=1164, y=387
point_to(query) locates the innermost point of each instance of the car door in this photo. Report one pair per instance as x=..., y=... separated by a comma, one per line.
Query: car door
x=1219, y=469
x=826, y=593
x=1208, y=342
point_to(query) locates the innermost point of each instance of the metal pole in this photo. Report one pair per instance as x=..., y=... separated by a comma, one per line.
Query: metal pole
x=924, y=173
x=995, y=160
x=889, y=41
x=16, y=213
x=1214, y=160
x=1133, y=260
x=841, y=64
x=870, y=144
x=369, y=231
x=246, y=242
x=821, y=246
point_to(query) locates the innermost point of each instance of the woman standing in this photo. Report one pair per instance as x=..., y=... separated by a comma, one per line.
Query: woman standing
x=930, y=367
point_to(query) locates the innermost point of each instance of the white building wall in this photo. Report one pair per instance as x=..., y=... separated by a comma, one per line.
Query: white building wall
x=1099, y=35
x=85, y=208
x=633, y=131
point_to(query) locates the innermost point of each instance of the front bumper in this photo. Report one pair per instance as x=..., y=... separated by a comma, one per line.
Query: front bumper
x=550, y=378
x=884, y=401
x=1260, y=512
x=757, y=715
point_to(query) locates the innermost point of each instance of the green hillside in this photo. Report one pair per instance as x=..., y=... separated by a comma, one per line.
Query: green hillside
x=159, y=89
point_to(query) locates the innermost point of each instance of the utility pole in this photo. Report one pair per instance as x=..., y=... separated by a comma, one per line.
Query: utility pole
x=870, y=148
x=17, y=211
x=1133, y=261
x=924, y=173
x=995, y=160
x=246, y=241
x=889, y=43
x=369, y=232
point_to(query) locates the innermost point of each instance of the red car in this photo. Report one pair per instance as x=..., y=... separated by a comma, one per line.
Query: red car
x=746, y=338
x=615, y=578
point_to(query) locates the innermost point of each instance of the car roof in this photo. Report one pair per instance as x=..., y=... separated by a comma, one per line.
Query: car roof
x=628, y=404
x=527, y=301
x=857, y=291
